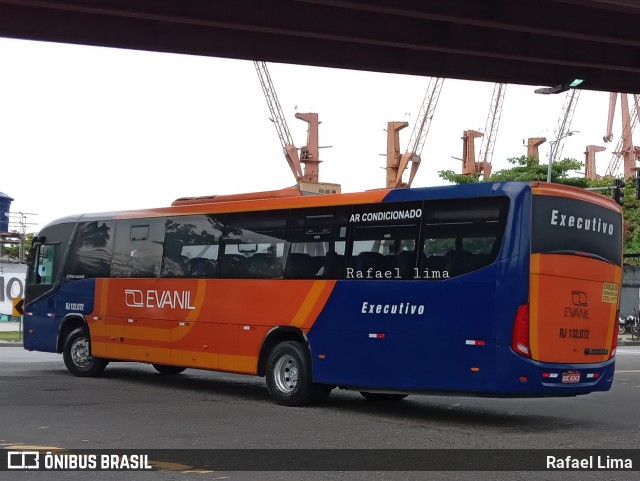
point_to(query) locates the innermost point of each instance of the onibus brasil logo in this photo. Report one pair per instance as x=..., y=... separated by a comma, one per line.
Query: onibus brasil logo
x=36, y=460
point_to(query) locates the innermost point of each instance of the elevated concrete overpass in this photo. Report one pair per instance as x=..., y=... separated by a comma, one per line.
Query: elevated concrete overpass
x=534, y=42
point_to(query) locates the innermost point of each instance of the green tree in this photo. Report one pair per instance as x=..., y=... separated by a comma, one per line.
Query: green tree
x=630, y=211
x=526, y=169
x=631, y=215
x=13, y=251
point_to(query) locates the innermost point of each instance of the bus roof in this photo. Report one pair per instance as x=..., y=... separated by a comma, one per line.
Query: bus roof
x=210, y=199
x=559, y=190
x=293, y=198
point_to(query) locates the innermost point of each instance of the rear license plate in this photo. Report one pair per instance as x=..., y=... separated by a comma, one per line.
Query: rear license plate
x=570, y=377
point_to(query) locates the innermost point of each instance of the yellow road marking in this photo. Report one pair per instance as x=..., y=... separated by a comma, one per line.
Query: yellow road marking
x=25, y=447
x=164, y=466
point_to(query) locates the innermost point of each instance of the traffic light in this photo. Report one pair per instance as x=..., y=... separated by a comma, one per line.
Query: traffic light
x=617, y=191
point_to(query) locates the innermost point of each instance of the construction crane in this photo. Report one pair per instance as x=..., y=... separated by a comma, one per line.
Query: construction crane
x=590, y=161
x=469, y=164
x=396, y=163
x=491, y=130
x=533, y=144
x=309, y=154
x=561, y=132
x=625, y=148
x=483, y=165
x=563, y=128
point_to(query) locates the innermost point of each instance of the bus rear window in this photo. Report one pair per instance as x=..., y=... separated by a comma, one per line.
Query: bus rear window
x=561, y=225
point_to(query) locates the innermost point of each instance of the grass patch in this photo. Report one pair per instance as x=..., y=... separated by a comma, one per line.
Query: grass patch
x=10, y=336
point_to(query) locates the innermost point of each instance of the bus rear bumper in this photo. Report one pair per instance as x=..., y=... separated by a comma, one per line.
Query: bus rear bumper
x=523, y=376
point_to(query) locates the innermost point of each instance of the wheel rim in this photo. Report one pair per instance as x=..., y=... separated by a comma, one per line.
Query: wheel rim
x=80, y=353
x=285, y=373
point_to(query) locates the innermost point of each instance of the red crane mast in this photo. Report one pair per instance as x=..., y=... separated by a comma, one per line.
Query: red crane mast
x=396, y=163
x=483, y=165
x=625, y=149
x=309, y=154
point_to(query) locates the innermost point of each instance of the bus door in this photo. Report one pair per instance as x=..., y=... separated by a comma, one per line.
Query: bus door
x=137, y=323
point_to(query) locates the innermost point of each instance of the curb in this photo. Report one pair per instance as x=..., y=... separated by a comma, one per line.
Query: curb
x=626, y=341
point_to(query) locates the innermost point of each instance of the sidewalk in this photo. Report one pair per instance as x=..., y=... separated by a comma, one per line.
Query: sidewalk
x=625, y=340
x=9, y=326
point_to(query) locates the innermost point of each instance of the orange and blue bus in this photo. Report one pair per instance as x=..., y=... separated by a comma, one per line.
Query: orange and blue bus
x=493, y=289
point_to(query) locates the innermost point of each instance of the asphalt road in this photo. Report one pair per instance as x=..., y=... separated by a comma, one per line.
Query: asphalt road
x=131, y=406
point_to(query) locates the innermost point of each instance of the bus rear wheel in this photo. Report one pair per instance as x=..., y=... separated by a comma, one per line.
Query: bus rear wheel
x=168, y=370
x=289, y=376
x=382, y=397
x=77, y=355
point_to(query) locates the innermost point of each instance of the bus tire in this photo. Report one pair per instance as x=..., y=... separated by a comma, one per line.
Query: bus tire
x=77, y=355
x=168, y=370
x=382, y=396
x=288, y=376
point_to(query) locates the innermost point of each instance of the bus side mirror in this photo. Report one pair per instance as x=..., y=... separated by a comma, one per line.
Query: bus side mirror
x=30, y=256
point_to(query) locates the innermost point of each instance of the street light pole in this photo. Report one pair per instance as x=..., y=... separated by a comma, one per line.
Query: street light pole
x=551, y=145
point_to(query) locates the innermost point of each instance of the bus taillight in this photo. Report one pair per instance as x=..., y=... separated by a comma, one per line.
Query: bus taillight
x=520, y=340
x=614, y=339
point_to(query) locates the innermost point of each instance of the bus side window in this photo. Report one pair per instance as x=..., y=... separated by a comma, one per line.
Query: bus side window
x=318, y=241
x=91, y=251
x=300, y=266
x=192, y=246
x=200, y=267
x=461, y=237
x=138, y=248
x=384, y=241
x=174, y=264
x=311, y=260
x=334, y=263
x=254, y=244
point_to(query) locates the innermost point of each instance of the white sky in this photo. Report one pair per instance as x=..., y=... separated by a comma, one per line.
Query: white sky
x=85, y=129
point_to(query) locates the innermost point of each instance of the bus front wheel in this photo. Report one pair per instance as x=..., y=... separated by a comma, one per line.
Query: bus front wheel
x=77, y=355
x=168, y=370
x=289, y=376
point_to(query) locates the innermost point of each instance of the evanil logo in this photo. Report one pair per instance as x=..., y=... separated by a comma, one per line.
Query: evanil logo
x=158, y=299
x=593, y=224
